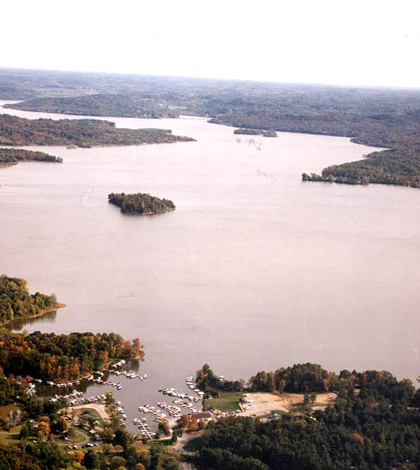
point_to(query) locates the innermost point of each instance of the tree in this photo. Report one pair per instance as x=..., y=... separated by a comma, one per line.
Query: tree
x=109, y=400
x=122, y=437
x=44, y=427
x=60, y=426
x=117, y=462
x=24, y=432
x=91, y=459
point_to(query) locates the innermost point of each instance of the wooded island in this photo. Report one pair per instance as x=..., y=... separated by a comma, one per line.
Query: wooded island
x=255, y=132
x=142, y=204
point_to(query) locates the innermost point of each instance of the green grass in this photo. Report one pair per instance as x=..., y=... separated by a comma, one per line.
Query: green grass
x=92, y=412
x=226, y=402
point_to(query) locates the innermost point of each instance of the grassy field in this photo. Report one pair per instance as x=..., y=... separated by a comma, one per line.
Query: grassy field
x=92, y=412
x=226, y=402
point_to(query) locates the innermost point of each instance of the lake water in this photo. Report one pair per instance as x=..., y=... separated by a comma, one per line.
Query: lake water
x=254, y=270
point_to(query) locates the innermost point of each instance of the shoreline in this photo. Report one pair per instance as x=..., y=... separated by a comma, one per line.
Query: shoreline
x=29, y=317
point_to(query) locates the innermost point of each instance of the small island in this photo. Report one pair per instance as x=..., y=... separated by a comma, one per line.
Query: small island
x=264, y=133
x=13, y=156
x=142, y=204
x=16, y=302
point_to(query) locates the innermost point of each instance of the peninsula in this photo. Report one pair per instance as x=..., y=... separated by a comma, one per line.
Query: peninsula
x=10, y=156
x=17, y=302
x=142, y=204
x=80, y=132
x=396, y=167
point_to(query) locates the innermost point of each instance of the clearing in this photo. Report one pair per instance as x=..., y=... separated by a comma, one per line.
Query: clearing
x=264, y=403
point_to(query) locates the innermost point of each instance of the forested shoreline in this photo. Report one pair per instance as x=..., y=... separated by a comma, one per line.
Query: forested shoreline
x=394, y=167
x=48, y=356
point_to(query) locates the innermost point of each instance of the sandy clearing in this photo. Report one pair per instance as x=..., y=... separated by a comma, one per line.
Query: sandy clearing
x=99, y=408
x=265, y=403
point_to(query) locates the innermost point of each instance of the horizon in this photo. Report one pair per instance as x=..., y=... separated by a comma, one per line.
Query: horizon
x=319, y=43
x=268, y=82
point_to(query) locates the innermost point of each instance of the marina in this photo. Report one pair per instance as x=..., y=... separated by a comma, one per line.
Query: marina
x=182, y=402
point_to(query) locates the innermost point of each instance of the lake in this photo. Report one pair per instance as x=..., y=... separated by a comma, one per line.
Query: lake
x=254, y=270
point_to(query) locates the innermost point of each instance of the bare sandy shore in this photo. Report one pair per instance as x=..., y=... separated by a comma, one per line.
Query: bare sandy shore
x=265, y=403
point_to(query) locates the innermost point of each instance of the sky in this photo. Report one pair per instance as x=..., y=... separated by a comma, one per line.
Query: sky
x=370, y=42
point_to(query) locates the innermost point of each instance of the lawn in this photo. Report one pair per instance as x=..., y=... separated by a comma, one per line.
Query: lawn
x=92, y=412
x=226, y=402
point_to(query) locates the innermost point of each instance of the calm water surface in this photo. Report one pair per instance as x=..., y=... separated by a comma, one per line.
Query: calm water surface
x=254, y=270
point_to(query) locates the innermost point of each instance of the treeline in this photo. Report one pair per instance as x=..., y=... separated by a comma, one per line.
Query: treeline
x=116, y=105
x=17, y=302
x=10, y=156
x=312, y=378
x=374, y=424
x=397, y=167
x=307, y=378
x=140, y=203
x=48, y=356
x=207, y=380
x=300, y=378
x=82, y=133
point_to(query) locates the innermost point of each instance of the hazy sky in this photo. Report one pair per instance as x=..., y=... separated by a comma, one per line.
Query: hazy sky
x=370, y=42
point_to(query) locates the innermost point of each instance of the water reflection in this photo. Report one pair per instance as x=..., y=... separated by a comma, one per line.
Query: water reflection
x=19, y=324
